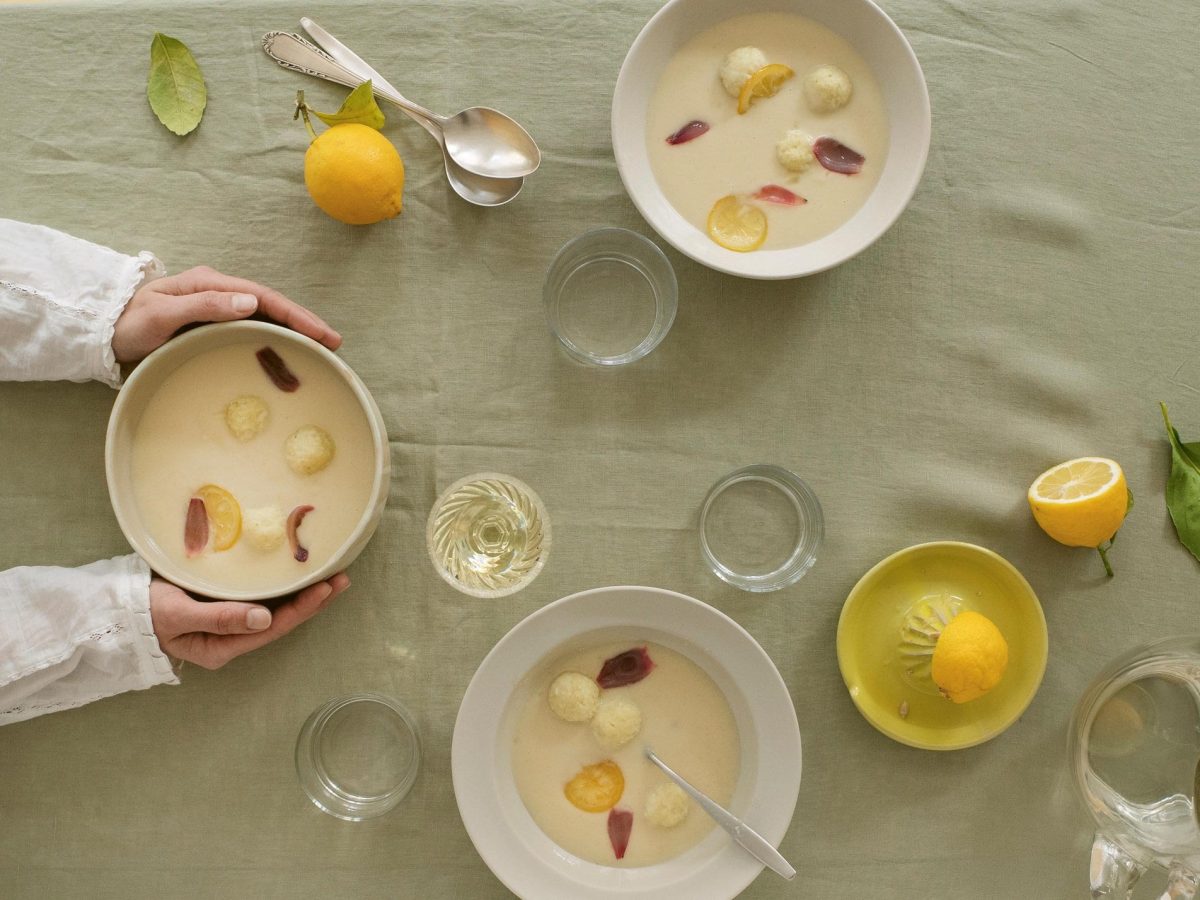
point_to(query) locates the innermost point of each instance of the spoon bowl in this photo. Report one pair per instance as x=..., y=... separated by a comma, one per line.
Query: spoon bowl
x=487, y=142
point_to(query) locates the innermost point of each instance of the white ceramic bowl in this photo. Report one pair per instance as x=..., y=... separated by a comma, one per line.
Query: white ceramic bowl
x=865, y=26
x=145, y=381
x=510, y=842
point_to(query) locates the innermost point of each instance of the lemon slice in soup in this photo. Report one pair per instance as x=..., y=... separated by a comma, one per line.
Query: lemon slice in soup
x=737, y=225
x=766, y=82
x=224, y=512
x=597, y=788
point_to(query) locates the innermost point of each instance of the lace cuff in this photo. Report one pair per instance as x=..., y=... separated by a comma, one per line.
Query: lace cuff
x=140, y=269
x=135, y=594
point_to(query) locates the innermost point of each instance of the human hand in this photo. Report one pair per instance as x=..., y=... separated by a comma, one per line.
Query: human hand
x=161, y=307
x=212, y=633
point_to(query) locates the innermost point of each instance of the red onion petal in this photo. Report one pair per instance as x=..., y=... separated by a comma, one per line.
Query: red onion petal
x=688, y=132
x=837, y=157
x=277, y=370
x=195, y=529
x=774, y=193
x=295, y=517
x=620, y=824
x=625, y=668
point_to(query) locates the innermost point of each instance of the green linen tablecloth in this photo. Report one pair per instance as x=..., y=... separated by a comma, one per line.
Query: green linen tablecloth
x=1032, y=305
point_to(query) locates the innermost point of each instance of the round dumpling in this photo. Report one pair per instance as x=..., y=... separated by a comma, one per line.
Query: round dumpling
x=616, y=723
x=309, y=449
x=574, y=697
x=738, y=66
x=795, y=151
x=667, y=805
x=265, y=527
x=246, y=417
x=827, y=88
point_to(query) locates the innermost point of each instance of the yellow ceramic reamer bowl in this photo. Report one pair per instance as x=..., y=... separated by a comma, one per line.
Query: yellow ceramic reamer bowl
x=876, y=652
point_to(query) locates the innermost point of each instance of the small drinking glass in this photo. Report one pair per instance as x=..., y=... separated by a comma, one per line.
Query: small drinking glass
x=488, y=535
x=760, y=528
x=610, y=297
x=357, y=756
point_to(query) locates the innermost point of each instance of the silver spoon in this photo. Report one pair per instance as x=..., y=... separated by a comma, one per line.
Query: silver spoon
x=477, y=189
x=293, y=52
x=481, y=140
x=743, y=835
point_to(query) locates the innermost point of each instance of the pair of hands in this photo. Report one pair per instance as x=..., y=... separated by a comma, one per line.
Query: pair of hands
x=210, y=634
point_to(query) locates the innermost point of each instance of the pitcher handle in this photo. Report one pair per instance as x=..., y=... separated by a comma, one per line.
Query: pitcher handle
x=1182, y=884
x=1114, y=872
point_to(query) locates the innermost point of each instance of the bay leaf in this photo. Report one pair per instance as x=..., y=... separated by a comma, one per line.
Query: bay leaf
x=1183, y=488
x=359, y=108
x=175, y=86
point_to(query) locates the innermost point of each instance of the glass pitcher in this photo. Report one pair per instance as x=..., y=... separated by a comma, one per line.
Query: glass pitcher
x=1134, y=745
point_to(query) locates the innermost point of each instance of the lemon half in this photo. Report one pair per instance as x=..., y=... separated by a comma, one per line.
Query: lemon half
x=1082, y=502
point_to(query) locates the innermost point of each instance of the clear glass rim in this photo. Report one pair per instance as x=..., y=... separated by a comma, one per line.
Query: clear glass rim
x=325, y=793
x=666, y=296
x=804, y=553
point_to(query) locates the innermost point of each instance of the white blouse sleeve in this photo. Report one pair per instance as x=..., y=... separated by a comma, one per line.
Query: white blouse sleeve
x=60, y=298
x=71, y=636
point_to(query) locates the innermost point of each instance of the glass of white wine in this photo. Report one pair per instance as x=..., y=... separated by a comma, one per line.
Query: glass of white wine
x=488, y=535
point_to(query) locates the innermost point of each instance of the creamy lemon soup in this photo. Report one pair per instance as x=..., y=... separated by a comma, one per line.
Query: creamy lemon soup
x=578, y=759
x=223, y=457
x=831, y=96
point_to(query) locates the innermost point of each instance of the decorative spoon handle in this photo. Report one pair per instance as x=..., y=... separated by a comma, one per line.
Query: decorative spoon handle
x=745, y=836
x=293, y=52
x=339, y=52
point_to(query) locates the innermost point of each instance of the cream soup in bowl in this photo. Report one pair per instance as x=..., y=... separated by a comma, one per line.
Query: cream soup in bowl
x=577, y=631
x=763, y=154
x=580, y=766
x=672, y=57
x=245, y=461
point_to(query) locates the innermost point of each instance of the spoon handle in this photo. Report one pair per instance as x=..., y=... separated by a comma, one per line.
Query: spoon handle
x=355, y=63
x=293, y=52
x=749, y=839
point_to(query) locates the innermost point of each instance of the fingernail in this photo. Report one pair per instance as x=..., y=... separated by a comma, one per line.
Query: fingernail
x=258, y=619
x=245, y=303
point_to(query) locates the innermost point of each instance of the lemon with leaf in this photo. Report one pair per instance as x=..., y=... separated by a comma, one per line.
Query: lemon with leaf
x=352, y=172
x=1082, y=503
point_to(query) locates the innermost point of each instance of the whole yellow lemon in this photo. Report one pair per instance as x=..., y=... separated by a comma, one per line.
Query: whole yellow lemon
x=354, y=174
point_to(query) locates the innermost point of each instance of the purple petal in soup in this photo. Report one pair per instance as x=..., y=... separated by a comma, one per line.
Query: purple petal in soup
x=625, y=668
x=688, y=132
x=277, y=370
x=195, y=528
x=620, y=826
x=295, y=517
x=837, y=157
x=774, y=193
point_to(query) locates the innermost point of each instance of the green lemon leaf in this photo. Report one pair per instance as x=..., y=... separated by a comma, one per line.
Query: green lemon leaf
x=359, y=108
x=1183, y=488
x=175, y=86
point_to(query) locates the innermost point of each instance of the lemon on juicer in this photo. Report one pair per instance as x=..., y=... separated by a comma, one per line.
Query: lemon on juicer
x=970, y=658
x=354, y=174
